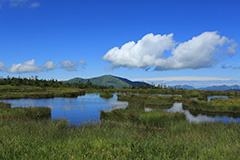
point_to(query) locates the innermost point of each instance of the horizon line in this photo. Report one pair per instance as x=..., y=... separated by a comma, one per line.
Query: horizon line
x=184, y=79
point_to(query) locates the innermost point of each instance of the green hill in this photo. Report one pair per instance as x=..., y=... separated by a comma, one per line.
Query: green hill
x=108, y=80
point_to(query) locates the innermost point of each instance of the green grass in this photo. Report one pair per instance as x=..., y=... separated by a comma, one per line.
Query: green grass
x=106, y=94
x=13, y=92
x=26, y=113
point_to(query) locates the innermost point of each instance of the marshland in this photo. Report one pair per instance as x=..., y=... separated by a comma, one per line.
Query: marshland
x=126, y=132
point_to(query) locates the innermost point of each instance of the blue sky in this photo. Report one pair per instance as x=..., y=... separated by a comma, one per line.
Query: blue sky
x=63, y=39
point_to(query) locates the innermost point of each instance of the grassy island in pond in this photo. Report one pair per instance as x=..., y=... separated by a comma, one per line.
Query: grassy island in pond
x=106, y=94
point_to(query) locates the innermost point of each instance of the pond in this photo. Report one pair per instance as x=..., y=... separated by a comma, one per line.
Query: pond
x=177, y=107
x=76, y=110
x=197, y=118
x=209, y=98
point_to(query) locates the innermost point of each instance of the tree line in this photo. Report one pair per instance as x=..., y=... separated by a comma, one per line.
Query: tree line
x=34, y=81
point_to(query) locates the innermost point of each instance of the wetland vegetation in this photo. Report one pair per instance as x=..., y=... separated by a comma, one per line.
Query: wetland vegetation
x=106, y=94
x=131, y=133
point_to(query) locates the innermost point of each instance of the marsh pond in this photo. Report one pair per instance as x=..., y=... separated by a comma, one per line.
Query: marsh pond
x=87, y=108
x=75, y=110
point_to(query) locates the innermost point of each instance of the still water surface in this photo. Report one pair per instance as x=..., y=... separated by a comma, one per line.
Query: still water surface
x=76, y=110
x=177, y=107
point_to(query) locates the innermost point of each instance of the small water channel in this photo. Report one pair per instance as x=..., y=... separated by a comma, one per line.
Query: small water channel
x=76, y=110
x=146, y=94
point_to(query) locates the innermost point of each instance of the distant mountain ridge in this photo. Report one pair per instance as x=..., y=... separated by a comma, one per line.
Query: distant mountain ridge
x=108, y=80
x=211, y=88
x=222, y=88
x=119, y=82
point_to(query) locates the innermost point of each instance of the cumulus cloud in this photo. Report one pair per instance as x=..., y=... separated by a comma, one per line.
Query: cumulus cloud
x=146, y=52
x=28, y=66
x=72, y=66
x=68, y=65
x=2, y=66
x=50, y=65
x=19, y=3
x=203, y=51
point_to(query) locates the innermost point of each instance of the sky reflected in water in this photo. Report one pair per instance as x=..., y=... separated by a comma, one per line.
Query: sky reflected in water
x=177, y=107
x=76, y=110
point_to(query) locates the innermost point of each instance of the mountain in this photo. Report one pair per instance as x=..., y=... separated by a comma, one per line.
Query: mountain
x=135, y=83
x=108, y=80
x=210, y=88
x=222, y=88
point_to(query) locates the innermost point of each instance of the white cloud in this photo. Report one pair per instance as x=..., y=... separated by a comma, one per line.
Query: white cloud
x=68, y=65
x=2, y=66
x=28, y=66
x=19, y=3
x=146, y=52
x=49, y=65
x=203, y=51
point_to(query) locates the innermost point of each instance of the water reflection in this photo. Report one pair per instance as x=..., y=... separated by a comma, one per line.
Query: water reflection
x=177, y=107
x=195, y=99
x=76, y=110
x=214, y=97
x=82, y=108
x=148, y=109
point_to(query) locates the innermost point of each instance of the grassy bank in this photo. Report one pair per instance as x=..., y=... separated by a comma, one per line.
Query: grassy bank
x=19, y=113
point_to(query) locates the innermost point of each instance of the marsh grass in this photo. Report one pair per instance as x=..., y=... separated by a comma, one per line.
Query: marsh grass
x=106, y=94
x=26, y=113
x=216, y=105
